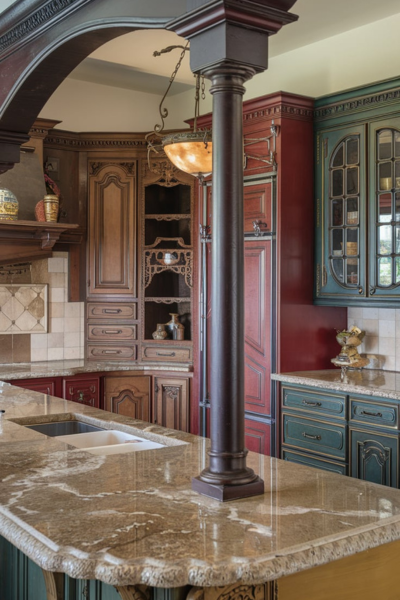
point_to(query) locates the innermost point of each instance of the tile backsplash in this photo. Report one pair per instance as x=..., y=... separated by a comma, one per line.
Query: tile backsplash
x=382, y=334
x=65, y=335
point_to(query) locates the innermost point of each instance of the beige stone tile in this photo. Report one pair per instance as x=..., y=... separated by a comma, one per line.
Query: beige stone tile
x=39, y=354
x=57, y=280
x=387, y=329
x=389, y=314
x=72, y=309
x=389, y=364
x=56, y=265
x=56, y=354
x=55, y=340
x=371, y=327
x=354, y=312
x=70, y=353
x=56, y=309
x=6, y=348
x=57, y=325
x=387, y=346
x=370, y=313
x=39, y=271
x=21, y=348
x=38, y=340
x=370, y=344
x=57, y=294
x=72, y=324
x=71, y=340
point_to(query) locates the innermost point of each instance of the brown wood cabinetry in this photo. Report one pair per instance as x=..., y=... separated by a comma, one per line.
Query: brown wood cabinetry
x=128, y=395
x=171, y=403
x=84, y=389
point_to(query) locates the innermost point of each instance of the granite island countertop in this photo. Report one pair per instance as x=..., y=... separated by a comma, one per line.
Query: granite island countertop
x=65, y=368
x=370, y=382
x=133, y=518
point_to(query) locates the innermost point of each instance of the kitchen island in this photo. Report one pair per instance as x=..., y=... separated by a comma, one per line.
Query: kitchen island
x=131, y=520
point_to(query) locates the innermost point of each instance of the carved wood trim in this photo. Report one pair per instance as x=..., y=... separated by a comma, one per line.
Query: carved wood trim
x=236, y=591
x=54, y=585
x=94, y=141
x=369, y=102
x=133, y=592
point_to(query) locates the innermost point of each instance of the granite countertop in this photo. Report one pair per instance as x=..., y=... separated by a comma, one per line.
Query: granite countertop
x=370, y=382
x=133, y=518
x=64, y=368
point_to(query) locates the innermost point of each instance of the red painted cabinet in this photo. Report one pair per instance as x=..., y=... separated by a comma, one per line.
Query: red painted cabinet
x=44, y=385
x=84, y=389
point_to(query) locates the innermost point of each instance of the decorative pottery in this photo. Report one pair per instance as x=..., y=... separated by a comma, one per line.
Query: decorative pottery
x=51, y=206
x=8, y=205
x=175, y=328
x=170, y=258
x=39, y=211
x=160, y=333
x=349, y=356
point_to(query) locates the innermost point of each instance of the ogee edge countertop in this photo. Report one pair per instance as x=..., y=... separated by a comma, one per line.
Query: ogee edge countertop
x=370, y=382
x=133, y=518
x=65, y=368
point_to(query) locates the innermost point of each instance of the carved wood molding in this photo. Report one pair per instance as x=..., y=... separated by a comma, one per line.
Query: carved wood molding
x=96, y=166
x=357, y=104
x=133, y=592
x=24, y=27
x=95, y=141
x=237, y=591
x=54, y=585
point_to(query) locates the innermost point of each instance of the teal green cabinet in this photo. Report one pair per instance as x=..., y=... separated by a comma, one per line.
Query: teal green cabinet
x=374, y=457
x=357, y=158
x=353, y=435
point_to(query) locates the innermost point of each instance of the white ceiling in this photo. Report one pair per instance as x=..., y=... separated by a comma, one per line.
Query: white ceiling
x=128, y=61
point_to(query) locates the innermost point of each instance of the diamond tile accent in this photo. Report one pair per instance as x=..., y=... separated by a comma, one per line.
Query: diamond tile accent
x=23, y=308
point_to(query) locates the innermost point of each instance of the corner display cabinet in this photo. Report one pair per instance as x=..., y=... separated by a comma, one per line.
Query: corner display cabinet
x=358, y=197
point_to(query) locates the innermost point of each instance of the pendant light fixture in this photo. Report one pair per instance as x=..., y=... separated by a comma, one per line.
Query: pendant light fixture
x=189, y=151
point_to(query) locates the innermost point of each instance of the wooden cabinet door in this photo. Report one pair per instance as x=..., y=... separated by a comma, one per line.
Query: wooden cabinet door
x=112, y=231
x=374, y=457
x=257, y=206
x=258, y=436
x=258, y=327
x=83, y=389
x=128, y=396
x=171, y=403
x=50, y=386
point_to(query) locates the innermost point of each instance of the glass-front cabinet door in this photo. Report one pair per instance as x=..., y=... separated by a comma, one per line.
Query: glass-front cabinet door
x=341, y=214
x=384, y=218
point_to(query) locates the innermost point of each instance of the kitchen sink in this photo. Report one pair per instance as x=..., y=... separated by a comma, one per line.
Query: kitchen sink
x=109, y=441
x=62, y=428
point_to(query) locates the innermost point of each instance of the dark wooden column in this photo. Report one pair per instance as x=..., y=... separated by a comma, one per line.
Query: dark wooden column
x=229, y=44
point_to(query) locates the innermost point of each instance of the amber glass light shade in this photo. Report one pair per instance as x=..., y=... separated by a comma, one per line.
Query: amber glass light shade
x=190, y=152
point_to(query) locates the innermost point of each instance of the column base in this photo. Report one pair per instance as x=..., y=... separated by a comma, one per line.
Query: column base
x=223, y=492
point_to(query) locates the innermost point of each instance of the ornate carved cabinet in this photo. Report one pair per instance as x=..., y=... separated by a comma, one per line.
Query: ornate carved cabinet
x=171, y=402
x=128, y=395
x=358, y=197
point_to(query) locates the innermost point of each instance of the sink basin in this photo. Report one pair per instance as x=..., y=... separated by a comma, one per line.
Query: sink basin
x=62, y=428
x=108, y=442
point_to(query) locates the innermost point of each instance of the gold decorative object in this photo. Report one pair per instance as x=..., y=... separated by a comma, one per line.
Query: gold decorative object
x=8, y=205
x=51, y=207
x=175, y=328
x=385, y=183
x=160, y=333
x=349, y=356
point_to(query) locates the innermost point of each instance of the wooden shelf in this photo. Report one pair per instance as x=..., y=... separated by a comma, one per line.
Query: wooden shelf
x=22, y=241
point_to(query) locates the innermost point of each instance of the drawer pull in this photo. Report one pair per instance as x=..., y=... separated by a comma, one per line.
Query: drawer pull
x=81, y=397
x=112, y=352
x=111, y=331
x=311, y=403
x=309, y=436
x=165, y=353
x=112, y=311
x=371, y=414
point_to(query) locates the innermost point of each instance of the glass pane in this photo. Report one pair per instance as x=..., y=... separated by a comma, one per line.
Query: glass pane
x=337, y=242
x=385, y=271
x=337, y=182
x=385, y=208
x=397, y=264
x=397, y=206
x=385, y=176
x=352, y=180
x=352, y=242
x=385, y=144
x=397, y=143
x=352, y=211
x=385, y=239
x=397, y=174
x=397, y=240
x=338, y=158
x=352, y=271
x=337, y=268
x=352, y=153
x=337, y=213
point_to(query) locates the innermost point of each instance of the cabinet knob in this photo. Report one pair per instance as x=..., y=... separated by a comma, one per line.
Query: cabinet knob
x=81, y=397
x=372, y=290
x=360, y=290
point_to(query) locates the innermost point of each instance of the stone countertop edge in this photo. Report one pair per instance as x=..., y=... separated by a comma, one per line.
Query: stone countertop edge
x=65, y=368
x=154, y=573
x=386, y=384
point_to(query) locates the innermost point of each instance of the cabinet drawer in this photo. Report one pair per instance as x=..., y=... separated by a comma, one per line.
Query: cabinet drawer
x=84, y=391
x=111, y=352
x=323, y=404
x=311, y=461
x=385, y=415
x=324, y=438
x=113, y=332
x=111, y=311
x=168, y=354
